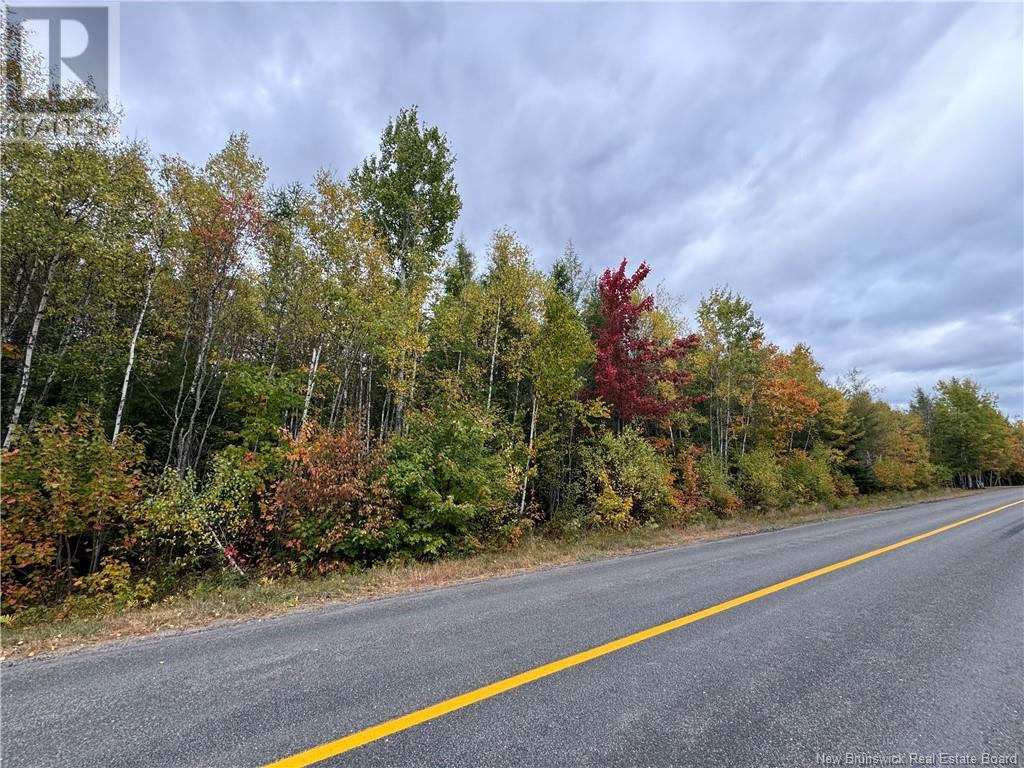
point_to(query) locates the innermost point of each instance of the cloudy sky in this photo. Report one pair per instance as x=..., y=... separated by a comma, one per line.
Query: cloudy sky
x=856, y=171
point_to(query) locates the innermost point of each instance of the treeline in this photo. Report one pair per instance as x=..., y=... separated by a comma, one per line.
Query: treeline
x=201, y=373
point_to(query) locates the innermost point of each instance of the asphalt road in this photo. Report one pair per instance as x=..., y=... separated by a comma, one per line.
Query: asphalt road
x=917, y=650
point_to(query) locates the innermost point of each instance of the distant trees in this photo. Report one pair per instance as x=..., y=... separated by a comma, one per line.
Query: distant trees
x=970, y=437
x=203, y=374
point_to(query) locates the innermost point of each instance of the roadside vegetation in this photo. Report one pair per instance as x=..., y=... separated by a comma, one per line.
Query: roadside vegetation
x=214, y=387
x=219, y=597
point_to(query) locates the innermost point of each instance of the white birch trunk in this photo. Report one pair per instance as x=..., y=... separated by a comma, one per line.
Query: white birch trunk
x=30, y=346
x=131, y=357
x=494, y=354
x=310, y=383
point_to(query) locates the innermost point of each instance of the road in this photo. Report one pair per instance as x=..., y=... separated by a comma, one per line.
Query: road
x=919, y=649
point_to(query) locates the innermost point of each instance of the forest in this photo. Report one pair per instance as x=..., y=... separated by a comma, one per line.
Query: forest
x=204, y=374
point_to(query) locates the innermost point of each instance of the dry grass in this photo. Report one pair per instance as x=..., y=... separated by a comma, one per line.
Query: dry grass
x=209, y=603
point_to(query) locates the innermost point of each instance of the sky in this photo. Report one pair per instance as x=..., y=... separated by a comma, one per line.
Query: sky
x=855, y=171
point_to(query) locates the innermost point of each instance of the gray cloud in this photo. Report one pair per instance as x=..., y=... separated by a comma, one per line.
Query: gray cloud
x=855, y=170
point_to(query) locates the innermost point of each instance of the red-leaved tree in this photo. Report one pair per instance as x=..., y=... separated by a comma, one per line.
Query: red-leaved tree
x=633, y=367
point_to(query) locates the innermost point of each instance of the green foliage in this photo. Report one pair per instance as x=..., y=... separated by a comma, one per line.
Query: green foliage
x=257, y=399
x=409, y=192
x=761, y=479
x=716, y=486
x=113, y=586
x=563, y=350
x=807, y=477
x=621, y=481
x=454, y=480
x=970, y=437
x=192, y=524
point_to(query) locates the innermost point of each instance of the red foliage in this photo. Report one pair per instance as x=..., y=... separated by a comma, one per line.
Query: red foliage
x=631, y=366
x=232, y=221
x=335, y=505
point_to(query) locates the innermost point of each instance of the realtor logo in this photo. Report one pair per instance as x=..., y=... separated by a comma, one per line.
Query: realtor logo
x=59, y=58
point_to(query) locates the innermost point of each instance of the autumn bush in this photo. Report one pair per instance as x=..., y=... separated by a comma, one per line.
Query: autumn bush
x=69, y=499
x=688, y=496
x=807, y=477
x=716, y=486
x=193, y=523
x=621, y=481
x=333, y=504
x=761, y=480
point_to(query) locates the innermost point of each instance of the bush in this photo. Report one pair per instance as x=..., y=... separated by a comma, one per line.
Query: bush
x=69, y=497
x=843, y=484
x=621, y=481
x=807, y=478
x=334, y=503
x=191, y=525
x=688, y=497
x=716, y=487
x=760, y=478
x=113, y=586
x=895, y=475
x=454, y=481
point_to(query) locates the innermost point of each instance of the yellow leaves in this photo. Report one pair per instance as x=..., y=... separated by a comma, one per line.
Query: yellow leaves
x=611, y=509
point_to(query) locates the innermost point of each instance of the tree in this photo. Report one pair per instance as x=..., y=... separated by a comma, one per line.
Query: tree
x=409, y=194
x=729, y=365
x=560, y=357
x=218, y=213
x=513, y=293
x=630, y=362
x=76, y=221
x=783, y=408
x=568, y=276
x=971, y=437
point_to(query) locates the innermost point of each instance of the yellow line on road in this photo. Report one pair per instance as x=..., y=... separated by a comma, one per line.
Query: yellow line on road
x=367, y=735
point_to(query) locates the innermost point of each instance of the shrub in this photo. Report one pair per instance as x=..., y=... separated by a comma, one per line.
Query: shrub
x=716, y=487
x=760, y=478
x=454, y=482
x=192, y=525
x=843, y=484
x=688, y=496
x=807, y=478
x=893, y=474
x=69, y=497
x=334, y=503
x=621, y=481
x=114, y=585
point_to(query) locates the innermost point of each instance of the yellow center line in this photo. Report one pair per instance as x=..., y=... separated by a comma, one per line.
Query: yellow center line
x=367, y=735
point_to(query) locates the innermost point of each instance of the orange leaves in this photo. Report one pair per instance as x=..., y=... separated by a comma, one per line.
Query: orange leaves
x=784, y=405
x=335, y=500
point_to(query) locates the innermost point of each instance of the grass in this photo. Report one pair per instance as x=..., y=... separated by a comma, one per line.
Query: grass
x=214, y=602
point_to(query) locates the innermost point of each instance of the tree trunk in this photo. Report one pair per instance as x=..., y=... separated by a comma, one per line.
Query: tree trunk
x=494, y=354
x=196, y=392
x=529, y=455
x=13, y=312
x=131, y=357
x=310, y=383
x=26, y=366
